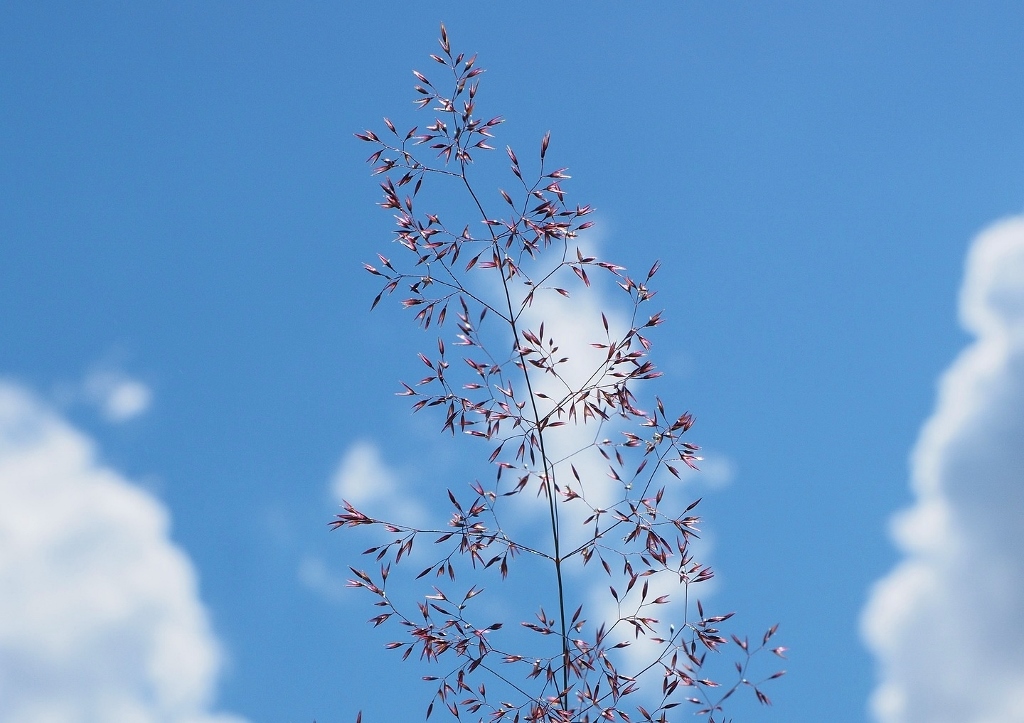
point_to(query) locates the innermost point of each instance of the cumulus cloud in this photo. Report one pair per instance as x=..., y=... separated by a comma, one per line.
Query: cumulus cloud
x=100, y=618
x=575, y=324
x=947, y=625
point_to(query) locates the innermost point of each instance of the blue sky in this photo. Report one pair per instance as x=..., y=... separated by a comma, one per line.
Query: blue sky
x=186, y=350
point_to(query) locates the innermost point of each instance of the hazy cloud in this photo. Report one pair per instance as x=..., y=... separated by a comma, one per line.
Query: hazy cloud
x=100, y=618
x=947, y=625
x=118, y=397
x=314, y=574
x=365, y=479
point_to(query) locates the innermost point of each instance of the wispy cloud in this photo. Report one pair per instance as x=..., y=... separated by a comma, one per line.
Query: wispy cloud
x=365, y=479
x=373, y=486
x=118, y=396
x=315, y=575
x=100, y=618
x=947, y=625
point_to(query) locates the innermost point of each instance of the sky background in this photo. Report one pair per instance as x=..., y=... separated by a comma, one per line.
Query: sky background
x=189, y=372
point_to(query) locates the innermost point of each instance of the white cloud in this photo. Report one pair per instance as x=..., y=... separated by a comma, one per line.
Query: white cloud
x=100, y=618
x=119, y=397
x=574, y=324
x=365, y=479
x=947, y=625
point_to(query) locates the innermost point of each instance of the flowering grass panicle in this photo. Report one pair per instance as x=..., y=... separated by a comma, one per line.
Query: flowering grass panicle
x=560, y=421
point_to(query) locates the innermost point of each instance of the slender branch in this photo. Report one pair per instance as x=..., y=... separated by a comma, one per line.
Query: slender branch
x=549, y=473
